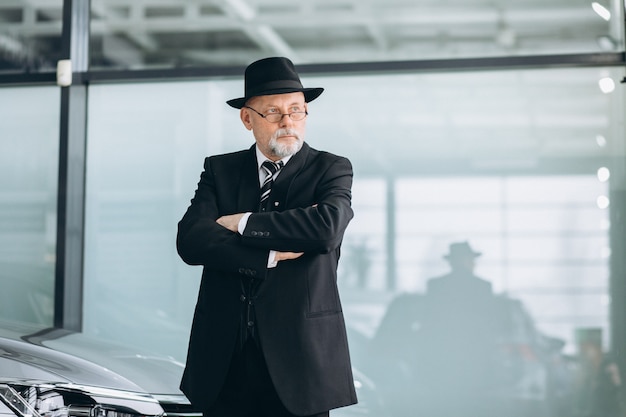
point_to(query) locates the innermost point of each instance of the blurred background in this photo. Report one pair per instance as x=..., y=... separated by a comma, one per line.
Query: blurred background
x=489, y=131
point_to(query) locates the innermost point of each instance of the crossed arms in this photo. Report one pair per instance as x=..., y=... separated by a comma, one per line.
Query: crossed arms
x=208, y=237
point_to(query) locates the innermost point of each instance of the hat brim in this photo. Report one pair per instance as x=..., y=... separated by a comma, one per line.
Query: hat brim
x=310, y=94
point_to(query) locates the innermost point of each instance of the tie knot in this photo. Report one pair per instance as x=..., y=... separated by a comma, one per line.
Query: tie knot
x=272, y=167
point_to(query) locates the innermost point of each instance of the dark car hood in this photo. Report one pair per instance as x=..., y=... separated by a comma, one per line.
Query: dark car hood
x=56, y=361
x=59, y=355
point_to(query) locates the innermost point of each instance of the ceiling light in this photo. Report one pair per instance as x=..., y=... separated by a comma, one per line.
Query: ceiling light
x=604, y=174
x=607, y=85
x=602, y=11
x=603, y=202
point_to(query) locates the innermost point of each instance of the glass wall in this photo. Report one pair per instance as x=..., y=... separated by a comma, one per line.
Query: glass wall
x=146, y=144
x=506, y=174
x=517, y=164
x=29, y=150
x=30, y=35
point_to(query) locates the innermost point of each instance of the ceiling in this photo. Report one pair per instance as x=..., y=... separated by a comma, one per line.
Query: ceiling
x=134, y=34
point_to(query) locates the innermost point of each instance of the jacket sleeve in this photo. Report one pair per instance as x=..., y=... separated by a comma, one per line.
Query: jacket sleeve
x=201, y=241
x=317, y=227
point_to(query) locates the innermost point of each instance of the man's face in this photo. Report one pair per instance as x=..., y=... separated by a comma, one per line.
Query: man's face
x=281, y=139
x=465, y=263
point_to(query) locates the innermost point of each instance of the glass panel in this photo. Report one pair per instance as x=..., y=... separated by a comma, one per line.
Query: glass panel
x=28, y=197
x=511, y=161
x=30, y=35
x=180, y=33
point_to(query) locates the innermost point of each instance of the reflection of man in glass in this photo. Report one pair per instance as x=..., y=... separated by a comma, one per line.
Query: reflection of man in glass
x=461, y=279
x=458, y=338
x=437, y=352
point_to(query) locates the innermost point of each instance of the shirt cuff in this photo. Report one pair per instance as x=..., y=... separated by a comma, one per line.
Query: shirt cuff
x=271, y=259
x=243, y=222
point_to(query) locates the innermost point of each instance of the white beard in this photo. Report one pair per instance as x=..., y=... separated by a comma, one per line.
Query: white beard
x=283, y=150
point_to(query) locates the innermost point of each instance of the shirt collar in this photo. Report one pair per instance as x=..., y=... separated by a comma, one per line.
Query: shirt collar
x=260, y=158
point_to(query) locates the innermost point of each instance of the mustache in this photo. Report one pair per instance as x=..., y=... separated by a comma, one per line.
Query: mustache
x=286, y=132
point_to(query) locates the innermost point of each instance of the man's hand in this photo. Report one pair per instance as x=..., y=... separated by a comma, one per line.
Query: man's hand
x=285, y=256
x=231, y=221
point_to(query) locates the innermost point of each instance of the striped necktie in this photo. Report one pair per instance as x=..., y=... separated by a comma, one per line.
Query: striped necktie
x=270, y=168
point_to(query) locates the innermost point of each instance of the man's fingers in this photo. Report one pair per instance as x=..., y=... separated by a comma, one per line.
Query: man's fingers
x=285, y=256
x=231, y=221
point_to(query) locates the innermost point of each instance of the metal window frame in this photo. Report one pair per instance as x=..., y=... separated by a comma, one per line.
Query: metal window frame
x=68, y=284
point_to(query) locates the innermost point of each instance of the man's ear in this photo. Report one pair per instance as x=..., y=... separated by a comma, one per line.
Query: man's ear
x=244, y=115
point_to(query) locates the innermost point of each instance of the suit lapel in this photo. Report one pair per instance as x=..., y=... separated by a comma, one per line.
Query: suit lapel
x=249, y=193
x=249, y=190
x=280, y=189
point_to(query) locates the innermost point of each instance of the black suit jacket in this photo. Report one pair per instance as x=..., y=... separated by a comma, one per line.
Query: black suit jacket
x=299, y=318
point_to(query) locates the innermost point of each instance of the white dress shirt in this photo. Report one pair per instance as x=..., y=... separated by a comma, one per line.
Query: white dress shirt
x=243, y=222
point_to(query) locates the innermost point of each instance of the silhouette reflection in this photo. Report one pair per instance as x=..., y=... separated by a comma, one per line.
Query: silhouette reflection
x=461, y=350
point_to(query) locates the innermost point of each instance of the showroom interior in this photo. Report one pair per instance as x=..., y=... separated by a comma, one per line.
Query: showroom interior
x=494, y=123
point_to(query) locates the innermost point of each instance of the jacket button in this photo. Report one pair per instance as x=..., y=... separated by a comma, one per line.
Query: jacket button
x=254, y=233
x=266, y=234
x=242, y=271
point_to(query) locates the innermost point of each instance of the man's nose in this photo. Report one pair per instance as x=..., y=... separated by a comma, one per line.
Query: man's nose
x=285, y=120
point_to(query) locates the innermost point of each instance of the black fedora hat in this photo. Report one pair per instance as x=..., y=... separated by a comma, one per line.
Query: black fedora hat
x=275, y=75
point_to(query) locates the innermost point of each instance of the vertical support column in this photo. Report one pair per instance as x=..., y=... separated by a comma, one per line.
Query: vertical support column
x=71, y=190
x=617, y=287
x=391, y=233
x=617, y=195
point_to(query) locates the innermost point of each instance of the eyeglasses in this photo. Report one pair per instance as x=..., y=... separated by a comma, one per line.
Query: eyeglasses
x=296, y=116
